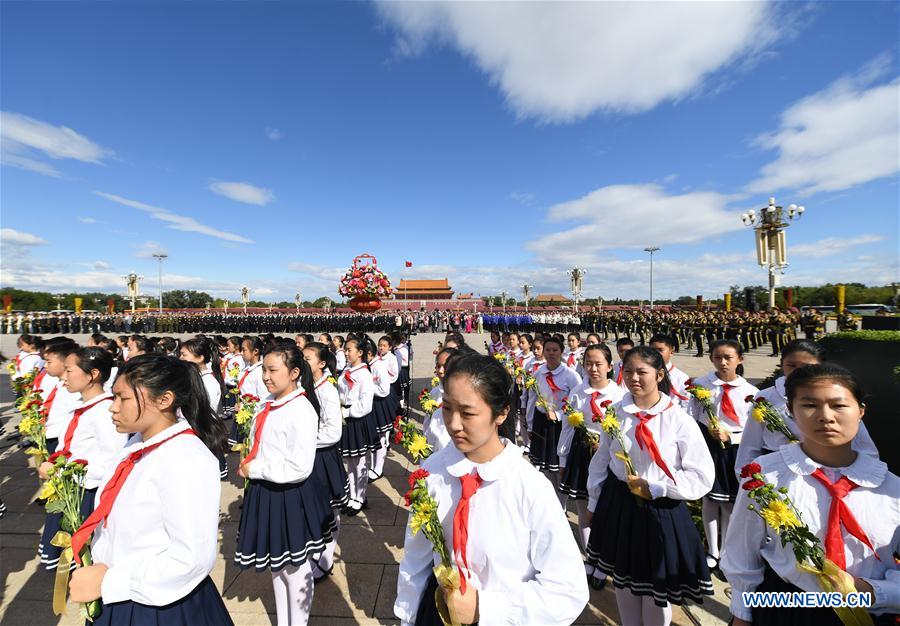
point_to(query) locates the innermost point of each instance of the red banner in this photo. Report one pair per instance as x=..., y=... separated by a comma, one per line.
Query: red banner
x=7, y=303
x=111, y=305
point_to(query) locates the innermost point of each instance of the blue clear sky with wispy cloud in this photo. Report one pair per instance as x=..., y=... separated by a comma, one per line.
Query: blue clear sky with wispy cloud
x=492, y=143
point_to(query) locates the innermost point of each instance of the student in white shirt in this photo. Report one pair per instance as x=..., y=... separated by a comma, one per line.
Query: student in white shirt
x=531, y=365
x=60, y=402
x=401, y=351
x=433, y=426
x=623, y=345
x=665, y=345
x=555, y=381
x=204, y=354
x=572, y=354
x=519, y=561
x=250, y=381
x=340, y=357
x=823, y=469
x=591, y=398
x=29, y=357
x=757, y=440
x=234, y=363
x=156, y=520
x=89, y=435
x=386, y=403
x=358, y=437
x=729, y=399
x=286, y=518
x=328, y=467
x=642, y=533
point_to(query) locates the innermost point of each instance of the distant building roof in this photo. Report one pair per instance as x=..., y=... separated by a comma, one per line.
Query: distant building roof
x=551, y=297
x=423, y=290
x=442, y=284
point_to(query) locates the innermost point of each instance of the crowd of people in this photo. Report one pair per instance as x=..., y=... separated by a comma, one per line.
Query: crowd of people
x=542, y=420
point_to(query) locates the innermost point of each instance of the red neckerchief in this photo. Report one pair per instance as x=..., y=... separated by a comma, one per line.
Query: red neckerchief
x=840, y=515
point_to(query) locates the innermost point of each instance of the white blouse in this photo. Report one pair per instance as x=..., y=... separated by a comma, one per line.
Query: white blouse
x=580, y=400
x=522, y=556
x=564, y=378
x=95, y=439
x=384, y=372
x=253, y=384
x=48, y=382
x=331, y=422
x=27, y=362
x=64, y=403
x=287, y=449
x=232, y=360
x=402, y=354
x=680, y=444
x=436, y=433
x=213, y=390
x=357, y=402
x=679, y=380
x=160, y=539
x=437, y=393
x=340, y=360
x=875, y=504
x=757, y=437
x=738, y=395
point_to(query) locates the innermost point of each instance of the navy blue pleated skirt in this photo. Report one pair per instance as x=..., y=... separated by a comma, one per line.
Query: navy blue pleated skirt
x=201, y=607
x=359, y=436
x=51, y=444
x=329, y=470
x=651, y=549
x=384, y=411
x=575, y=474
x=544, y=442
x=428, y=615
x=725, y=485
x=50, y=553
x=283, y=524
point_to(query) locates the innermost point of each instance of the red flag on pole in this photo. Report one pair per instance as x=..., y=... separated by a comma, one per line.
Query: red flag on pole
x=409, y=264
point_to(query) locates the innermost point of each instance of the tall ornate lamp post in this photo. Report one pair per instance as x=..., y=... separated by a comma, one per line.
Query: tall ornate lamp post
x=503, y=301
x=651, y=250
x=576, y=280
x=771, y=242
x=297, y=301
x=133, y=286
x=160, y=256
x=526, y=291
x=245, y=297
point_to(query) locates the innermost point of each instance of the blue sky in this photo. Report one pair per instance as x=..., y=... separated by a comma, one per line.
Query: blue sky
x=491, y=143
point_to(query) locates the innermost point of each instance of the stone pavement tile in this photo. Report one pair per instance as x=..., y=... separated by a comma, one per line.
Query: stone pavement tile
x=38, y=613
x=351, y=592
x=333, y=621
x=30, y=522
x=361, y=544
x=384, y=605
x=381, y=512
x=251, y=591
x=392, y=486
x=241, y=617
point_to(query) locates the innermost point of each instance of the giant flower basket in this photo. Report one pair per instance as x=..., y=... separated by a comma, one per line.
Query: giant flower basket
x=365, y=284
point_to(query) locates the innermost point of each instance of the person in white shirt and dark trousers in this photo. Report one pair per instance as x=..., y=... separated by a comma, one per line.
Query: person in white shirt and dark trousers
x=286, y=519
x=155, y=525
x=204, y=353
x=358, y=437
x=642, y=533
x=517, y=559
x=847, y=499
x=386, y=403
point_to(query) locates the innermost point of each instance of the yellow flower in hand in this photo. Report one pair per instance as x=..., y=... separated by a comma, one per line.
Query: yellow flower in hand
x=610, y=425
x=421, y=516
x=779, y=515
x=576, y=419
x=435, y=381
x=419, y=447
x=758, y=414
x=702, y=394
x=47, y=492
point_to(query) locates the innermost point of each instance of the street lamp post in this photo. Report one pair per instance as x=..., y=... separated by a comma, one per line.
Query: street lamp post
x=160, y=256
x=651, y=250
x=133, y=286
x=297, y=301
x=526, y=291
x=503, y=300
x=576, y=282
x=245, y=297
x=771, y=242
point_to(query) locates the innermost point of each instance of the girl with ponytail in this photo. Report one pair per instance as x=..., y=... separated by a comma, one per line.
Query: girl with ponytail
x=204, y=354
x=155, y=524
x=286, y=519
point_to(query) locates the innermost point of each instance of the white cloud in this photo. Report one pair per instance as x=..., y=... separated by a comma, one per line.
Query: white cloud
x=522, y=197
x=842, y=136
x=243, y=192
x=832, y=245
x=86, y=220
x=632, y=216
x=321, y=272
x=562, y=61
x=175, y=221
x=264, y=291
x=22, y=136
x=11, y=237
x=274, y=134
x=101, y=265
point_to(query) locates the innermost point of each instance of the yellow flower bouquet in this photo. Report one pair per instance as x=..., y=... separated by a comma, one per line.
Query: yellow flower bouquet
x=576, y=421
x=703, y=396
x=764, y=413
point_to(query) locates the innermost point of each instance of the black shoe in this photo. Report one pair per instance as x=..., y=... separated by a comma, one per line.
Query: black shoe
x=365, y=505
x=352, y=511
x=373, y=476
x=596, y=583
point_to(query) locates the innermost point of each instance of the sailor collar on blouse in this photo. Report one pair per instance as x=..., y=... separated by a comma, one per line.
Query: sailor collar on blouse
x=779, y=387
x=737, y=382
x=629, y=406
x=865, y=471
x=459, y=465
x=296, y=392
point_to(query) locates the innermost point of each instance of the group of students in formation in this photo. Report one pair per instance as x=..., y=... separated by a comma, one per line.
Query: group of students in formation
x=147, y=418
x=505, y=463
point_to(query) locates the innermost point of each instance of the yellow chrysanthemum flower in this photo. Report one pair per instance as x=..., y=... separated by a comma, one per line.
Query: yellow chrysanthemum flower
x=421, y=515
x=419, y=447
x=610, y=425
x=332, y=380
x=47, y=492
x=758, y=414
x=779, y=515
x=576, y=419
x=702, y=394
x=429, y=406
x=500, y=357
x=435, y=381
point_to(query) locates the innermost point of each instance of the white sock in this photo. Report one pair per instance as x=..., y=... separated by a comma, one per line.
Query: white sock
x=710, y=515
x=358, y=470
x=584, y=530
x=656, y=615
x=300, y=589
x=377, y=458
x=725, y=508
x=630, y=611
x=326, y=560
x=282, y=612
